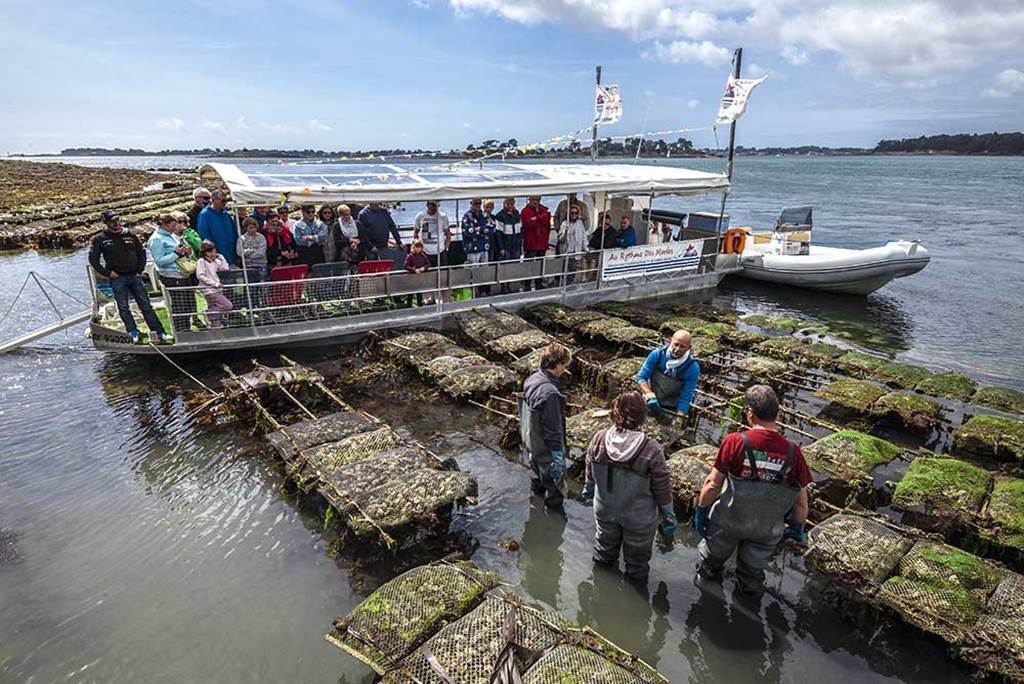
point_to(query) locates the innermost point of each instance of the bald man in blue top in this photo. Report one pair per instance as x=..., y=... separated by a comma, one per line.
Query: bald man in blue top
x=669, y=376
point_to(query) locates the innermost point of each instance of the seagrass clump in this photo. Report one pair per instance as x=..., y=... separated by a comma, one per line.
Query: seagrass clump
x=860, y=551
x=940, y=589
x=404, y=612
x=996, y=642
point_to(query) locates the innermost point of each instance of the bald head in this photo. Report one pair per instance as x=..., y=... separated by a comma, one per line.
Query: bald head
x=680, y=344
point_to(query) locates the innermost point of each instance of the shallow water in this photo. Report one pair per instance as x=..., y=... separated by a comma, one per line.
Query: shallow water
x=151, y=550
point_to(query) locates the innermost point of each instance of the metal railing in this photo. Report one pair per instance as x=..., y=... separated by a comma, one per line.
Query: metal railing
x=262, y=303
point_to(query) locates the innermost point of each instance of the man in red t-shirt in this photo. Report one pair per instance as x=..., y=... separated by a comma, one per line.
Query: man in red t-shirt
x=766, y=500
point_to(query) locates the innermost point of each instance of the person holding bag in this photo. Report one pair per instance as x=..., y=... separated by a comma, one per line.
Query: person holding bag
x=176, y=269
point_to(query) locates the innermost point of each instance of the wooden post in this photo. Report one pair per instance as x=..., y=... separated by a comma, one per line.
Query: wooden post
x=593, y=132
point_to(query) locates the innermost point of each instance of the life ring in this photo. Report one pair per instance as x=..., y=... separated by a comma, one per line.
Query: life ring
x=735, y=240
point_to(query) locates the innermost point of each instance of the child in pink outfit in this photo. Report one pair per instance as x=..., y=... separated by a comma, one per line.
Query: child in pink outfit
x=207, y=268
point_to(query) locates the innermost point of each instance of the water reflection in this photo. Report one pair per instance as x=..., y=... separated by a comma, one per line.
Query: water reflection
x=540, y=555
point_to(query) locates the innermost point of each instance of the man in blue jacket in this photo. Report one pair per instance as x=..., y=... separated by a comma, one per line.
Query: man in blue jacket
x=669, y=376
x=217, y=226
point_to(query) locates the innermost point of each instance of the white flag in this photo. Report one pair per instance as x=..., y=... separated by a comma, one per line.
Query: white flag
x=607, y=105
x=734, y=99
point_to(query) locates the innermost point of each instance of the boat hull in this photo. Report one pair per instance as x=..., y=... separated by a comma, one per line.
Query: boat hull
x=830, y=269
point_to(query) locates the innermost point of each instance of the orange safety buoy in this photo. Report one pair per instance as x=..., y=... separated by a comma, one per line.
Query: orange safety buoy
x=735, y=240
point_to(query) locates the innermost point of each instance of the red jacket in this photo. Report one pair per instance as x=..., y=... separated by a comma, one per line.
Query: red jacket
x=536, y=227
x=414, y=261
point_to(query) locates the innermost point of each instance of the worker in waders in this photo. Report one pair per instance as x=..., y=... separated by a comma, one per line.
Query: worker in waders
x=765, y=502
x=628, y=484
x=542, y=424
x=669, y=376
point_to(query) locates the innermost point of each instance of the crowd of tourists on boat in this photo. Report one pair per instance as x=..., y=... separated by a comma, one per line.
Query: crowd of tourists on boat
x=627, y=481
x=192, y=248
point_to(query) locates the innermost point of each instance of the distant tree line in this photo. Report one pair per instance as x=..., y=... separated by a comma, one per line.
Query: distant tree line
x=963, y=143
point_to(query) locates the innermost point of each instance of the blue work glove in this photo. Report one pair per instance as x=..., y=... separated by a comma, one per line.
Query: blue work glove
x=700, y=520
x=654, y=406
x=667, y=526
x=557, y=468
x=795, y=532
x=587, y=495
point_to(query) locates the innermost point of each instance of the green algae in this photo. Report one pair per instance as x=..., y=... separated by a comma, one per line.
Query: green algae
x=1006, y=508
x=768, y=323
x=761, y=366
x=743, y=338
x=855, y=395
x=703, y=346
x=858, y=363
x=818, y=354
x=949, y=385
x=715, y=331
x=1002, y=398
x=779, y=347
x=810, y=328
x=849, y=454
x=943, y=486
x=940, y=589
x=687, y=323
x=900, y=375
x=991, y=436
x=913, y=411
x=618, y=374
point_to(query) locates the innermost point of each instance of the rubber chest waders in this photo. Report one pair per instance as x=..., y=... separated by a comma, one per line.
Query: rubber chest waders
x=669, y=387
x=753, y=508
x=532, y=436
x=623, y=495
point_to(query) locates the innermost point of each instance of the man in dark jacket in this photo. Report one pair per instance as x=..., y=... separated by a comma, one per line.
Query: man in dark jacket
x=605, y=237
x=542, y=424
x=375, y=224
x=119, y=256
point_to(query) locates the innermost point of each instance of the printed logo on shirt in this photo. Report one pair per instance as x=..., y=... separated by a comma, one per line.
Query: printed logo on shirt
x=769, y=468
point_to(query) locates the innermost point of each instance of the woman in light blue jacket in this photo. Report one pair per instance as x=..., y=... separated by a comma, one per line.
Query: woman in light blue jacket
x=167, y=246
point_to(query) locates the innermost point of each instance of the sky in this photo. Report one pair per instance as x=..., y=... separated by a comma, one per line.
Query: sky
x=438, y=74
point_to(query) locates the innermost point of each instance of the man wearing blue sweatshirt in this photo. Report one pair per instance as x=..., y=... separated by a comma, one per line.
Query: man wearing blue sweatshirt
x=669, y=376
x=217, y=226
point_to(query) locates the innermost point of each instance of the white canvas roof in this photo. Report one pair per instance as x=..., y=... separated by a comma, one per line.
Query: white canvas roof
x=268, y=184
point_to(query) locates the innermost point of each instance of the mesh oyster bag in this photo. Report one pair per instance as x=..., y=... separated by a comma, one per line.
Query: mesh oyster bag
x=468, y=649
x=861, y=551
x=996, y=642
x=940, y=589
x=418, y=496
x=406, y=611
x=289, y=440
x=572, y=663
x=483, y=328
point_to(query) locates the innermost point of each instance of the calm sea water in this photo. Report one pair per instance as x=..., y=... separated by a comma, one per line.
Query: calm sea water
x=150, y=550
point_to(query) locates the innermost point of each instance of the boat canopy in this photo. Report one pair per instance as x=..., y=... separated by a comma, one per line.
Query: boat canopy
x=269, y=184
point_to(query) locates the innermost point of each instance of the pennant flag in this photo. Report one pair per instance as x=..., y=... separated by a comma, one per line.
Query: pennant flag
x=734, y=99
x=607, y=105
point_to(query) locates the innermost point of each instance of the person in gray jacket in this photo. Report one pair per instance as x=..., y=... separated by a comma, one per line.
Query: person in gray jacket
x=542, y=424
x=629, y=486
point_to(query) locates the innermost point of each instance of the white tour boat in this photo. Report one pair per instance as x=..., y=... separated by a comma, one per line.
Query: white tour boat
x=293, y=306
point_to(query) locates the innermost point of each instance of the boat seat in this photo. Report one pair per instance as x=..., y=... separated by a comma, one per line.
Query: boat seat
x=290, y=286
x=327, y=290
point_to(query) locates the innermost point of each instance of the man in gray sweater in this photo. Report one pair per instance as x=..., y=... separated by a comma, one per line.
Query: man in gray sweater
x=542, y=424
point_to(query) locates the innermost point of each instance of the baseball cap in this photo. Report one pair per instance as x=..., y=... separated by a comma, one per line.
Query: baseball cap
x=109, y=216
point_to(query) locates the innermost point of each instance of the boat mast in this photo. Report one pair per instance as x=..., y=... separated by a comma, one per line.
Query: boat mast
x=593, y=131
x=737, y=60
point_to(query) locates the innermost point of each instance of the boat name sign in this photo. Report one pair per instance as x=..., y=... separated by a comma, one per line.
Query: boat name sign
x=641, y=260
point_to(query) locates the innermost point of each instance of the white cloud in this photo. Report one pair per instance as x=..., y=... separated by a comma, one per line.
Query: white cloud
x=909, y=42
x=693, y=104
x=243, y=124
x=213, y=125
x=421, y=4
x=316, y=125
x=685, y=52
x=1007, y=83
x=171, y=124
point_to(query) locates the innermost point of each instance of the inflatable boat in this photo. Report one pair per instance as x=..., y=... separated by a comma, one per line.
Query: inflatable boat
x=786, y=255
